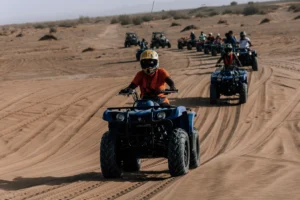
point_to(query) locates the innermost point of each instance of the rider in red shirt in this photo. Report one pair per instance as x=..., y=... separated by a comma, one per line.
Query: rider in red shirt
x=151, y=79
x=229, y=57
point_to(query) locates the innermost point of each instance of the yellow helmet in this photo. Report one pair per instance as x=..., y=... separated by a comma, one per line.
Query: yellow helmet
x=149, y=61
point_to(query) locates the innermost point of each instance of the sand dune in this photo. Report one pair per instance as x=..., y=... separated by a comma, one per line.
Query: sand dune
x=53, y=96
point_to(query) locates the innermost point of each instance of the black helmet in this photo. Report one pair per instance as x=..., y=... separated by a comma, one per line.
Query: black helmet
x=228, y=48
x=230, y=32
x=243, y=33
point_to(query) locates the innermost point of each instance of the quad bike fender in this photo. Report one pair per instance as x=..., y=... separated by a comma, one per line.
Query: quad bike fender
x=178, y=112
x=187, y=122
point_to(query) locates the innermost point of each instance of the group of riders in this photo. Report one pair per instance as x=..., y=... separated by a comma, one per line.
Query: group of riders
x=153, y=78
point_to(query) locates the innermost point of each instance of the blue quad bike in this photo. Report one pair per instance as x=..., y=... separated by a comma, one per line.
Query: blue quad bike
x=149, y=130
x=229, y=82
x=248, y=58
x=139, y=53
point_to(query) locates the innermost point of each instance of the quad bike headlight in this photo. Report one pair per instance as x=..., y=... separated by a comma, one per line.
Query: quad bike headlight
x=250, y=53
x=120, y=117
x=219, y=79
x=161, y=115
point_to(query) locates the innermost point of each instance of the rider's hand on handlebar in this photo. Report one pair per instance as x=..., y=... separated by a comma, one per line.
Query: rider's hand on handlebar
x=126, y=91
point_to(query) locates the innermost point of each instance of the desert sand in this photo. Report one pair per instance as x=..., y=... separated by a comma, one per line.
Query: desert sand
x=53, y=96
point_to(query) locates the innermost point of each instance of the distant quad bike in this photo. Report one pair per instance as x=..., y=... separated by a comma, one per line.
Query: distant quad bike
x=207, y=47
x=139, y=53
x=216, y=48
x=191, y=44
x=182, y=42
x=248, y=58
x=200, y=46
x=131, y=39
x=148, y=130
x=229, y=82
x=158, y=41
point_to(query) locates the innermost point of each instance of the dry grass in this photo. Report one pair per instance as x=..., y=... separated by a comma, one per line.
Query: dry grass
x=294, y=8
x=175, y=24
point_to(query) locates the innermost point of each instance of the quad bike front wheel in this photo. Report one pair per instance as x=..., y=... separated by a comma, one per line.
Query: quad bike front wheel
x=169, y=45
x=214, y=52
x=189, y=46
x=178, y=153
x=195, y=150
x=243, y=93
x=255, y=64
x=214, y=96
x=206, y=51
x=110, y=161
x=199, y=48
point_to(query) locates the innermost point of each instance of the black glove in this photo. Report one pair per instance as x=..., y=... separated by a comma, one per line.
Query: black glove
x=126, y=91
x=173, y=88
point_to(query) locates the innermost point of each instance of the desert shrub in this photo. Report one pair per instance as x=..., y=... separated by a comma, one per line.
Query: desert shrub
x=114, y=21
x=125, y=19
x=266, y=20
x=294, y=8
x=251, y=10
x=83, y=20
x=213, y=13
x=200, y=15
x=147, y=18
x=190, y=27
x=66, y=25
x=52, y=30
x=298, y=17
x=250, y=3
x=222, y=21
x=137, y=20
x=40, y=26
x=234, y=3
x=227, y=11
x=164, y=16
x=175, y=24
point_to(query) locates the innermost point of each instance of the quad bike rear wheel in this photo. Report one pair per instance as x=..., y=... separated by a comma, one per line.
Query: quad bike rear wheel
x=195, y=150
x=255, y=64
x=189, y=46
x=169, y=45
x=180, y=46
x=206, y=51
x=199, y=48
x=214, y=52
x=178, y=152
x=157, y=45
x=110, y=160
x=243, y=93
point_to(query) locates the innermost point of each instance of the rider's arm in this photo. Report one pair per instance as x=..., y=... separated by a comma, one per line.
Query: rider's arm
x=238, y=60
x=220, y=59
x=171, y=83
x=249, y=42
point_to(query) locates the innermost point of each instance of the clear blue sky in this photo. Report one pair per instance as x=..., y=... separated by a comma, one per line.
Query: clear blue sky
x=20, y=11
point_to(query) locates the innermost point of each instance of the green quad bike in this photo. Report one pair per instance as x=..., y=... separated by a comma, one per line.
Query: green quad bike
x=131, y=39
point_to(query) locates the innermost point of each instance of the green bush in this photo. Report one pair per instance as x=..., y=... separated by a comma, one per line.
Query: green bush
x=227, y=11
x=213, y=13
x=147, y=18
x=40, y=26
x=222, y=21
x=175, y=24
x=83, y=20
x=137, y=21
x=200, y=15
x=251, y=10
x=125, y=19
x=114, y=21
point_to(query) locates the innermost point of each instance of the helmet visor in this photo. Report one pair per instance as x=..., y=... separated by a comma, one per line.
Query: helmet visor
x=148, y=63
